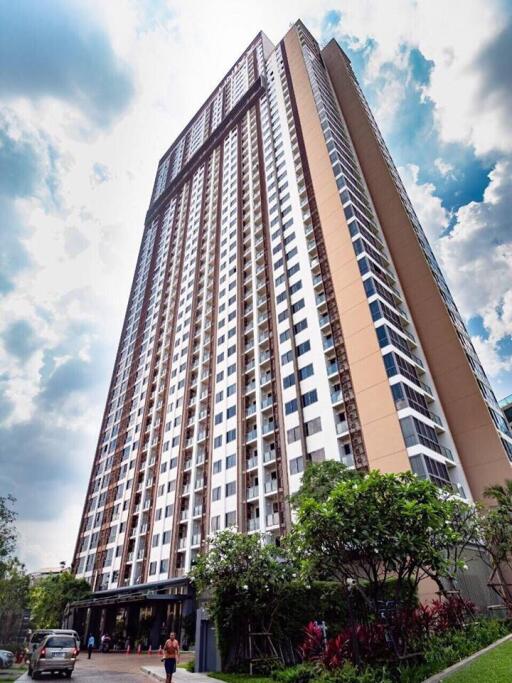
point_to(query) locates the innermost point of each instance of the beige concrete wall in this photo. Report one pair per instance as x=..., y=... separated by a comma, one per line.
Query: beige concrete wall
x=379, y=422
x=483, y=457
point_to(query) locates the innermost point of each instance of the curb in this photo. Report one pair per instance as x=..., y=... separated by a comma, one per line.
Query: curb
x=458, y=666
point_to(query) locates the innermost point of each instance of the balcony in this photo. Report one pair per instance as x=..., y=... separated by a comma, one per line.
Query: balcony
x=336, y=396
x=272, y=519
x=198, y=510
x=418, y=439
x=407, y=403
x=267, y=402
x=342, y=428
x=250, y=410
x=182, y=543
x=268, y=427
x=269, y=456
x=332, y=367
x=184, y=514
x=196, y=540
x=251, y=435
x=252, y=463
x=253, y=492
x=253, y=523
x=266, y=378
x=270, y=486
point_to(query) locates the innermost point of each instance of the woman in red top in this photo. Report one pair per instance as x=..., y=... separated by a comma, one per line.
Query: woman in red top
x=171, y=656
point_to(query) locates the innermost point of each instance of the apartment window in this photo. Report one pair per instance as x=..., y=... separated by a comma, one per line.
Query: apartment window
x=290, y=406
x=313, y=426
x=297, y=465
x=286, y=357
x=306, y=371
x=169, y=509
x=284, y=336
x=231, y=435
x=218, y=418
x=303, y=348
x=230, y=412
x=230, y=488
x=166, y=537
x=309, y=398
x=293, y=434
x=230, y=518
x=215, y=523
x=301, y=325
x=156, y=540
x=230, y=461
x=219, y=396
x=288, y=381
x=216, y=493
x=164, y=566
x=217, y=466
x=152, y=568
x=298, y=305
x=231, y=390
x=217, y=441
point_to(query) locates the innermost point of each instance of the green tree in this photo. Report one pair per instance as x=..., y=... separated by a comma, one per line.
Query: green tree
x=50, y=595
x=497, y=539
x=319, y=479
x=13, y=580
x=246, y=581
x=373, y=528
x=8, y=534
x=14, y=586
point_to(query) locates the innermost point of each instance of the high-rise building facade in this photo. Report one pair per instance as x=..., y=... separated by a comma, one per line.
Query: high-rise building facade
x=286, y=308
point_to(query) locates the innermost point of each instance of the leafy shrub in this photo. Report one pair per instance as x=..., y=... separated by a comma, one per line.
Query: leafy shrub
x=189, y=666
x=302, y=673
x=405, y=631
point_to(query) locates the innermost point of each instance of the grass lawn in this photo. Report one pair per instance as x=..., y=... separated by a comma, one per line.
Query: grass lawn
x=240, y=678
x=494, y=667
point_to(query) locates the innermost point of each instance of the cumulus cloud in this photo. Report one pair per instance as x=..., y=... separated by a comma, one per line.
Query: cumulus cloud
x=444, y=168
x=476, y=257
x=54, y=49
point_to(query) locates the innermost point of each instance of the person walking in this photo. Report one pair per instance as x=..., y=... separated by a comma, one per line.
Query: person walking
x=91, y=644
x=171, y=656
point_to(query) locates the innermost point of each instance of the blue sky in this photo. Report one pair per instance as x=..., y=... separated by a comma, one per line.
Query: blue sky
x=92, y=93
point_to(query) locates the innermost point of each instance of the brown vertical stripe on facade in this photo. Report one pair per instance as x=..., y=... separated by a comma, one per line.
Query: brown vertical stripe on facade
x=477, y=441
x=383, y=440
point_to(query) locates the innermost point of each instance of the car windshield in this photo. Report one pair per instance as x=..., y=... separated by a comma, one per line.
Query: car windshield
x=60, y=642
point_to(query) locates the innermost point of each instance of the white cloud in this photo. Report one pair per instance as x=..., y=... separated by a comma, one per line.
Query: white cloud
x=476, y=256
x=444, y=168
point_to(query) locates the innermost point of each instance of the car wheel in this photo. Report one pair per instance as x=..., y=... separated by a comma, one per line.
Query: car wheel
x=69, y=674
x=36, y=675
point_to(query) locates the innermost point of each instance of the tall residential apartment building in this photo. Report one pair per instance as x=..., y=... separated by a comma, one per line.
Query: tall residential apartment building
x=286, y=308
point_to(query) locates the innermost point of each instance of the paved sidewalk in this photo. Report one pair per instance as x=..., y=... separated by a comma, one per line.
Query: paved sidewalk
x=181, y=675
